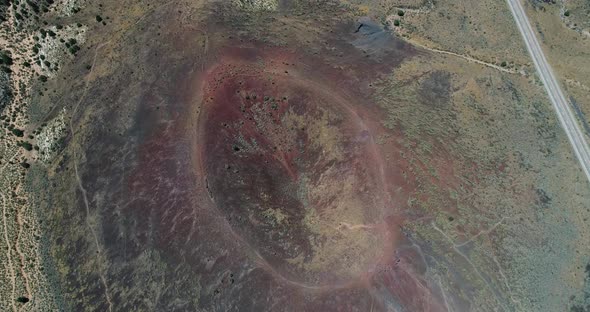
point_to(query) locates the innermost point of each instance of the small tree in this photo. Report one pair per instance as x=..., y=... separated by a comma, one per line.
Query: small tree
x=26, y=145
x=5, y=58
x=18, y=132
x=396, y=23
x=401, y=12
x=22, y=299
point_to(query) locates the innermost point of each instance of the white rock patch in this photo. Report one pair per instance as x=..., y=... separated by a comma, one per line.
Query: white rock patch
x=49, y=137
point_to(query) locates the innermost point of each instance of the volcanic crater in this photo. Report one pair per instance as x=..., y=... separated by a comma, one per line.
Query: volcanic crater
x=293, y=168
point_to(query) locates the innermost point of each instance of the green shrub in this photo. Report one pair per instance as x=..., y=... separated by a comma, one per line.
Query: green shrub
x=26, y=145
x=18, y=132
x=23, y=299
x=5, y=58
x=74, y=49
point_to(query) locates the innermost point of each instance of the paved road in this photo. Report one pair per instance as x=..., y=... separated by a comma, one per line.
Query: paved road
x=564, y=112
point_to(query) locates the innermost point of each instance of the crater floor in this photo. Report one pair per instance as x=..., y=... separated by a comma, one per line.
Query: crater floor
x=294, y=170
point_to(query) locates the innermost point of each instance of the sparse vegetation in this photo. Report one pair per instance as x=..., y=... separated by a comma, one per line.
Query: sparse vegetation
x=32, y=52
